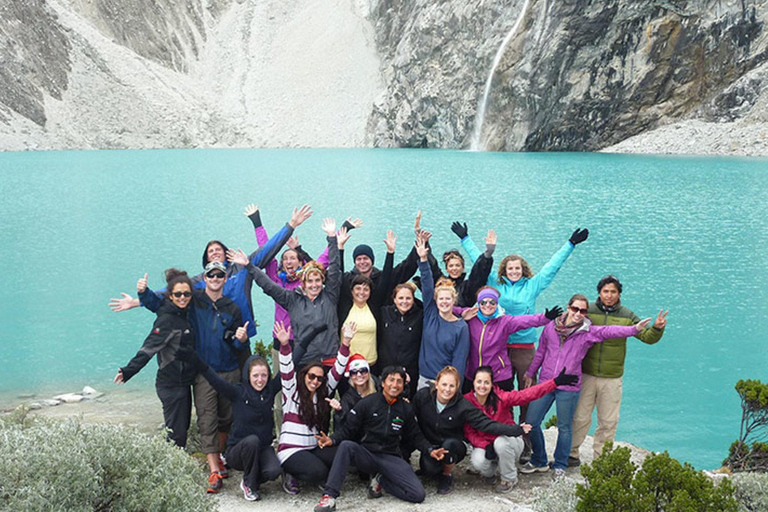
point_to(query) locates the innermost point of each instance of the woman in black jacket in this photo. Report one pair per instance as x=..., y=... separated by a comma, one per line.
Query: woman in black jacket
x=249, y=444
x=171, y=333
x=442, y=413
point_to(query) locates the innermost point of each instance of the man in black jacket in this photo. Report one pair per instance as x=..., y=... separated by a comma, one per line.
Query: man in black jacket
x=382, y=420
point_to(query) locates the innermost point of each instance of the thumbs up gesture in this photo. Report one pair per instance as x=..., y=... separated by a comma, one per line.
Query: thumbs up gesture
x=242, y=333
x=141, y=284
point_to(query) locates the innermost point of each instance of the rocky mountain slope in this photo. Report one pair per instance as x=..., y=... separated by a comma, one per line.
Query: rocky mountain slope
x=649, y=75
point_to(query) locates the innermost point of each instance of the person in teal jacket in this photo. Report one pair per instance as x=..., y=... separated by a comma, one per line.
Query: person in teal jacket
x=519, y=287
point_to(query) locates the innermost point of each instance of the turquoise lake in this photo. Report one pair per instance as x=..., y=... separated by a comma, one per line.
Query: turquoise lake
x=682, y=233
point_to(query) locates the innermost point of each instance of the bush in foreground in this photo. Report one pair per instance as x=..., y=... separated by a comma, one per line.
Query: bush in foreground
x=50, y=465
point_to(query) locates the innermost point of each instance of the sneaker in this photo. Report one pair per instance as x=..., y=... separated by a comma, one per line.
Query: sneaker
x=444, y=484
x=529, y=468
x=327, y=504
x=374, y=488
x=250, y=495
x=490, y=480
x=290, y=485
x=223, y=468
x=505, y=486
x=573, y=462
x=559, y=473
x=214, y=483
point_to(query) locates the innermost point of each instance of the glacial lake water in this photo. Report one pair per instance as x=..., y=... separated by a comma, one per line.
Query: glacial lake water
x=683, y=233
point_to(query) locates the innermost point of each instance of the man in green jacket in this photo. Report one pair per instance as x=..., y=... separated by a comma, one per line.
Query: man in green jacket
x=603, y=368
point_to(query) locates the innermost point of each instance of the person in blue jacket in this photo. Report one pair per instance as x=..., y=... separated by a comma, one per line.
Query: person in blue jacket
x=249, y=445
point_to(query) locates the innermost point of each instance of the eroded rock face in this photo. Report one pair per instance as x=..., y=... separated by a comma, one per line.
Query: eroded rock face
x=34, y=59
x=580, y=75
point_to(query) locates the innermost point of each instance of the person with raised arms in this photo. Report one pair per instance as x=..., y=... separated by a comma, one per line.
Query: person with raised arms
x=399, y=338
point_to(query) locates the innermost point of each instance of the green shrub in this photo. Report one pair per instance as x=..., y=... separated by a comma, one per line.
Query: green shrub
x=51, y=465
x=558, y=497
x=662, y=484
x=751, y=491
x=754, y=424
x=551, y=422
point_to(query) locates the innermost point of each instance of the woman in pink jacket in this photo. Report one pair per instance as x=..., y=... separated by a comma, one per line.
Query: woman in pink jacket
x=562, y=345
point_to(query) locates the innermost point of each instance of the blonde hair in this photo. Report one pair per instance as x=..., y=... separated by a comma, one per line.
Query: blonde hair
x=527, y=272
x=405, y=286
x=450, y=371
x=444, y=284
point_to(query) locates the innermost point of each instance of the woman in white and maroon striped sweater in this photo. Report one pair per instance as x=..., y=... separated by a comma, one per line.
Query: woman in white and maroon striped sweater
x=306, y=412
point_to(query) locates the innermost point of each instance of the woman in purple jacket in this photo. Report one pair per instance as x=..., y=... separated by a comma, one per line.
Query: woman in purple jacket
x=563, y=344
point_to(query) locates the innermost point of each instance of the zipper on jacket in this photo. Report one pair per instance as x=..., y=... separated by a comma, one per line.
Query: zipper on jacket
x=480, y=347
x=600, y=350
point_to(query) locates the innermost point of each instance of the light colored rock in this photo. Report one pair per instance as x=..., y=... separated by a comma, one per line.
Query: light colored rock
x=69, y=398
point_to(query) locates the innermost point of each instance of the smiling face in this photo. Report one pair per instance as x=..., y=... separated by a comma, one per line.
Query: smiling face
x=482, y=385
x=185, y=291
x=314, y=378
x=576, y=311
x=609, y=294
x=360, y=294
x=446, y=388
x=290, y=260
x=214, y=280
x=514, y=270
x=312, y=285
x=444, y=300
x=454, y=267
x=404, y=300
x=215, y=252
x=363, y=264
x=359, y=378
x=259, y=375
x=488, y=306
x=392, y=386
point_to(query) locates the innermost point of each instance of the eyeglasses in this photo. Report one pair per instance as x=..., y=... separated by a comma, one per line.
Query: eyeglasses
x=181, y=294
x=488, y=302
x=314, y=376
x=574, y=310
x=361, y=371
x=216, y=275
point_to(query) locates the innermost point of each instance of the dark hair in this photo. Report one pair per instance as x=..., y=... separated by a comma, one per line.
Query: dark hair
x=174, y=276
x=578, y=296
x=453, y=253
x=259, y=361
x=314, y=415
x=205, y=252
x=392, y=369
x=361, y=279
x=493, y=399
x=608, y=280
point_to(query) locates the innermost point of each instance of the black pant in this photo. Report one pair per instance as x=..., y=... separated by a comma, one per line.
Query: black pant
x=258, y=463
x=311, y=466
x=457, y=450
x=397, y=476
x=177, y=411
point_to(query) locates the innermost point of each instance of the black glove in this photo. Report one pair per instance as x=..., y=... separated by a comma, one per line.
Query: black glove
x=348, y=225
x=459, y=229
x=255, y=219
x=490, y=452
x=553, y=313
x=190, y=357
x=579, y=236
x=565, y=379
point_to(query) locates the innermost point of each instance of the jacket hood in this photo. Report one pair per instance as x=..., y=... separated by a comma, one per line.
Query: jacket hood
x=205, y=251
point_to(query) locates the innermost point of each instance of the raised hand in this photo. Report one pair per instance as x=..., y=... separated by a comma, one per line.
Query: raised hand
x=141, y=284
x=661, y=319
x=348, y=332
x=281, y=333
x=323, y=440
x=390, y=241
x=341, y=237
x=460, y=229
x=490, y=239
x=417, y=223
x=565, y=379
x=329, y=226
x=335, y=404
x=421, y=248
x=351, y=223
x=425, y=235
x=469, y=313
x=238, y=257
x=119, y=378
x=642, y=324
x=293, y=242
x=124, y=304
x=553, y=313
x=300, y=215
x=579, y=236
x=250, y=210
x=242, y=333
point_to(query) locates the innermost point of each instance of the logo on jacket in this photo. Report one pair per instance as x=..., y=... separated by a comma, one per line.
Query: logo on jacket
x=397, y=423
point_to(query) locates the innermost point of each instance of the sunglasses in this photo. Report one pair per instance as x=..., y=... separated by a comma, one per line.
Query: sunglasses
x=216, y=275
x=488, y=302
x=574, y=309
x=361, y=371
x=181, y=294
x=314, y=376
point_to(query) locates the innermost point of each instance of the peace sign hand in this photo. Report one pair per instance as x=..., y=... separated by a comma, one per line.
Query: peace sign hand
x=661, y=319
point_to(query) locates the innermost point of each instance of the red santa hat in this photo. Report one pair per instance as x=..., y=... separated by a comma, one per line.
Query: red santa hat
x=356, y=362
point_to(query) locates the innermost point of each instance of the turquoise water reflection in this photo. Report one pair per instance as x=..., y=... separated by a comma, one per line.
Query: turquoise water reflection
x=688, y=234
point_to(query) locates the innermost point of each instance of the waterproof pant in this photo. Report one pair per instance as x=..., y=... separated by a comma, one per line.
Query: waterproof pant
x=177, y=411
x=508, y=450
x=257, y=462
x=397, y=476
x=311, y=466
x=457, y=450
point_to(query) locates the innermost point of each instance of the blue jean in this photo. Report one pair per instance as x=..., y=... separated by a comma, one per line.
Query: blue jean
x=566, y=406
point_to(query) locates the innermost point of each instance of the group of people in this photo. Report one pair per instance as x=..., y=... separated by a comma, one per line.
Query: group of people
x=435, y=375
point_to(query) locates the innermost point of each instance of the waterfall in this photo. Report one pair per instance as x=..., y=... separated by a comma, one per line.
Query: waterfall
x=477, y=132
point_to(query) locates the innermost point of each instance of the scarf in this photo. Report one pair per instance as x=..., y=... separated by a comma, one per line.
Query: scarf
x=563, y=330
x=607, y=309
x=485, y=319
x=289, y=276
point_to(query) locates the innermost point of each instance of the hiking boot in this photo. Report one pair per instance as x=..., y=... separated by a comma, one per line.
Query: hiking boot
x=214, y=483
x=573, y=462
x=290, y=485
x=223, y=468
x=444, y=484
x=529, y=468
x=250, y=494
x=327, y=504
x=490, y=480
x=374, y=487
x=559, y=473
x=505, y=486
